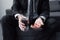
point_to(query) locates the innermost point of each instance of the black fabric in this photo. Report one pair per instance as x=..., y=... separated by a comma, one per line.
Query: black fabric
x=11, y=30
x=54, y=6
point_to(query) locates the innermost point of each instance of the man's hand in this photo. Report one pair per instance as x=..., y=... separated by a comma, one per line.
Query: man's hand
x=21, y=24
x=38, y=23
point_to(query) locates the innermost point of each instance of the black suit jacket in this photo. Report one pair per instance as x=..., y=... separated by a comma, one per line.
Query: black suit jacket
x=20, y=6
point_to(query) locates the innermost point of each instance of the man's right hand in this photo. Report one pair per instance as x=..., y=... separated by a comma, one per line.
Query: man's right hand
x=21, y=24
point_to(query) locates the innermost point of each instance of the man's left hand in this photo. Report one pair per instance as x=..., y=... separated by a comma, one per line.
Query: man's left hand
x=38, y=23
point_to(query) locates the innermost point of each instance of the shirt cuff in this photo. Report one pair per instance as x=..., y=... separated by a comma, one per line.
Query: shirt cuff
x=44, y=18
x=16, y=15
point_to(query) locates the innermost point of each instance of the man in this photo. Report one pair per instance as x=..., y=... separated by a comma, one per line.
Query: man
x=15, y=29
x=42, y=12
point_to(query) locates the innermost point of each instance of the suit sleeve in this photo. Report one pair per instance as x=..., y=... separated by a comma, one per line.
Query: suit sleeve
x=16, y=7
x=45, y=10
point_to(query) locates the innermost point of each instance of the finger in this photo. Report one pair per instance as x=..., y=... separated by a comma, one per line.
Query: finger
x=41, y=22
x=32, y=26
x=21, y=24
x=22, y=27
x=37, y=25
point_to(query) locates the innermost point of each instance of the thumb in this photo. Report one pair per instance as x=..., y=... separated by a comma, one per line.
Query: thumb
x=41, y=22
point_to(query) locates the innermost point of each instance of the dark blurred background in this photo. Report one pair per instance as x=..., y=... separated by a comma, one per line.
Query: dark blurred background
x=54, y=11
